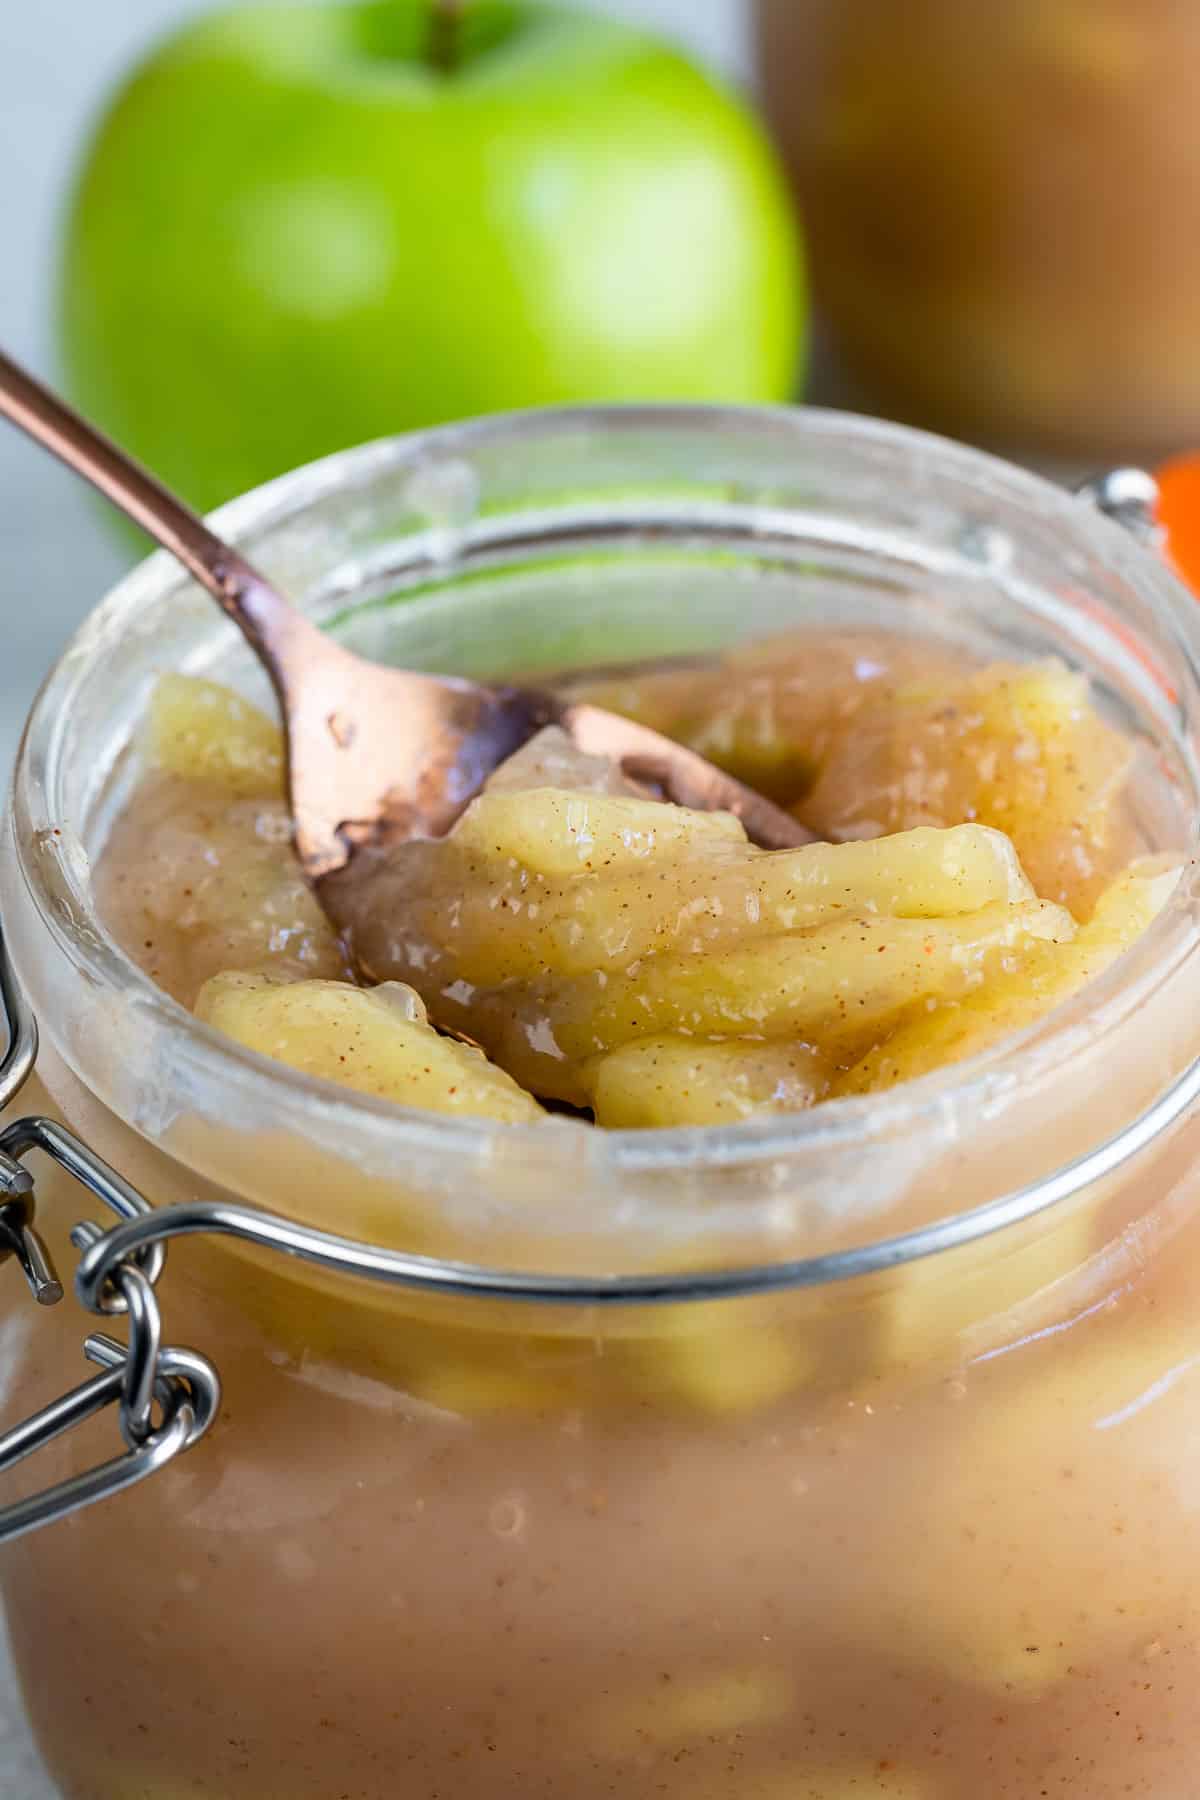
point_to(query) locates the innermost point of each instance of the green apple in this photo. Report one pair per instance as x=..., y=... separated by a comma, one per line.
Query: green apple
x=300, y=226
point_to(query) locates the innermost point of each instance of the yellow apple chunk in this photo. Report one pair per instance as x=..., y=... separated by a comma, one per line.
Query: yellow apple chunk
x=556, y=926
x=1020, y=747
x=205, y=731
x=377, y=1041
x=712, y=1359
x=468, y=909
x=772, y=711
x=684, y=1081
x=835, y=987
x=1048, y=976
x=557, y=832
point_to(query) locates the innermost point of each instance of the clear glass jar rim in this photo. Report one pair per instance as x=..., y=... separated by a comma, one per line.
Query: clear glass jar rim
x=58, y=887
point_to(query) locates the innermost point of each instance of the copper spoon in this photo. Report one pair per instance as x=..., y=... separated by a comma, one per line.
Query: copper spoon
x=374, y=755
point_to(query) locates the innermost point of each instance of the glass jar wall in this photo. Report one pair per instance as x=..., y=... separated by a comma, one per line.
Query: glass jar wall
x=902, y=1504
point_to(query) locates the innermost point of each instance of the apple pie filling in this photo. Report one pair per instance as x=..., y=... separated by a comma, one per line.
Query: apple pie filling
x=574, y=941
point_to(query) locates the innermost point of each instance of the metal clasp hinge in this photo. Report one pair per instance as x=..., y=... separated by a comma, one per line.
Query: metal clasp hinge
x=188, y=1394
x=167, y=1398
x=1129, y=497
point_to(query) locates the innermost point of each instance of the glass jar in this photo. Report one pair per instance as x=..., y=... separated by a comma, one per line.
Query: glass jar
x=997, y=200
x=845, y=1454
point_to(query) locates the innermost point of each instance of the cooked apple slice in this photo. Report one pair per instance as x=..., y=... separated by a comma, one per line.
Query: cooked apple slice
x=556, y=927
x=558, y=831
x=207, y=732
x=1049, y=975
x=377, y=1040
x=684, y=1081
x=772, y=711
x=837, y=987
x=1020, y=747
x=712, y=1358
x=679, y=883
x=838, y=983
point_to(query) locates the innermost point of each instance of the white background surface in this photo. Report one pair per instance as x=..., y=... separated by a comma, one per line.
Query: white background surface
x=57, y=60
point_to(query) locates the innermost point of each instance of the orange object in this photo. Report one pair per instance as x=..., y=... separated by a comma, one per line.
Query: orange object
x=1179, y=514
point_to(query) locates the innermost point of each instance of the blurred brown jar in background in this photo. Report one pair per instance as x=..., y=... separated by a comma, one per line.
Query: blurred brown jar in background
x=1002, y=199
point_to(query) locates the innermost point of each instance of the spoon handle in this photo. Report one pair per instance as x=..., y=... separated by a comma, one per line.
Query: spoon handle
x=271, y=625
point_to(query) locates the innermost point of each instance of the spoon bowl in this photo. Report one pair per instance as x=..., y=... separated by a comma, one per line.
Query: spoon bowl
x=375, y=755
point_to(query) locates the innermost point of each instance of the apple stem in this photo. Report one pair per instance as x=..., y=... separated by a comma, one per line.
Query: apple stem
x=445, y=34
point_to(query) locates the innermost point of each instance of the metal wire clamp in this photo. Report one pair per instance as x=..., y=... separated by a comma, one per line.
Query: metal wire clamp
x=166, y=1398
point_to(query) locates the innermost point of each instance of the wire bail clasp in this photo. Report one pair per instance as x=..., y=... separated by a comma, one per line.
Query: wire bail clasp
x=167, y=1398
